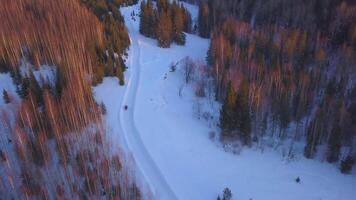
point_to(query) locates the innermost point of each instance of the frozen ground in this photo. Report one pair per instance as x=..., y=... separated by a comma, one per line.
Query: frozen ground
x=7, y=84
x=172, y=149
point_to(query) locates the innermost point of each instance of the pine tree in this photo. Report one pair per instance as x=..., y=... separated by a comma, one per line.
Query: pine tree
x=242, y=112
x=227, y=120
x=153, y=21
x=109, y=67
x=3, y=66
x=187, y=19
x=203, y=21
x=178, y=24
x=148, y=19
x=61, y=81
x=164, y=30
x=120, y=75
x=334, y=144
x=309, y=149
x=24, y=88
x=2, y=156
x=346, y=165
x=144, y=19
x=227, y=195
x=284, y=112
x=6, y=97
x=313, y=134
x=35, y=88
x=162, y=5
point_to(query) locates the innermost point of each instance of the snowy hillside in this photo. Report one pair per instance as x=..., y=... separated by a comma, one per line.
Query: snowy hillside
x=172, y=148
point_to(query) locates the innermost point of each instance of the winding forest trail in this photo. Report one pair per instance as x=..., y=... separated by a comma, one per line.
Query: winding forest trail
x=145, y=164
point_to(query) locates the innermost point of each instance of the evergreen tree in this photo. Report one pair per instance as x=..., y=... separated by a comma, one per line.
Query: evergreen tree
x=61, y=81
x=109, y=67
x=313, y=133
x=203, y=21
x=242, y=112
x=144, y=19
x=148, y=19
x=346, y=165
x=227, y=120
x=3, y=66
x=153, y=21
x=6, y=97
x=187, y=19
x=284, y=112
x=162, y=5
x=167, y=23
x=24, y=88
x=309, y=149
x=2, y=156
x=227, y=195
x=164, y=30
x=334, y=144
x=178, y=24
x=35, y=88
x=120, y=75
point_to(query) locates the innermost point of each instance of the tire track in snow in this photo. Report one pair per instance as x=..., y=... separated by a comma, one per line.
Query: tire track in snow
x=145, y=164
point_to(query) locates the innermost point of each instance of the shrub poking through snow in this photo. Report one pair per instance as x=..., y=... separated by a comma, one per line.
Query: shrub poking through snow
x=227, y=195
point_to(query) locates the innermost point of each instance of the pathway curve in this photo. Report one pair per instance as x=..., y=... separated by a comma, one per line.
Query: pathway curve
x=146, y=165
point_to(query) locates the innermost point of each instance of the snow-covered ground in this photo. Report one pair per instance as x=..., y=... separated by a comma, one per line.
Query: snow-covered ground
x=172, y=149
x=7, y=84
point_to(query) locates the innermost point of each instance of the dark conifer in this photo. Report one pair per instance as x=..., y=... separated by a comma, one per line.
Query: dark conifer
x=152, y=15
x=148, y=22
x=6, y=97
x=242, y=112
x=3, y=66
x=144, y=19
x=227, y=118
x=35, y=88
x=164, y=30
x=187, y=19
x=61, y=83
x=24, y=88
x=346, y=165
x=334, y=144
x=178, y=24
x=120, y=75
x=203, y=21
x=163, y=5
x=227, y=195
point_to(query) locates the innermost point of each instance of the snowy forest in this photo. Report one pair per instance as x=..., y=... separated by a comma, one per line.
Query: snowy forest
x=52, y=136
x=285, y=69
x=167, y=23
x=178, y=99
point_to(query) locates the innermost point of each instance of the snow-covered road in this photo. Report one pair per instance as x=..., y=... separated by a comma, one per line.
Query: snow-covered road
x=145, y=164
